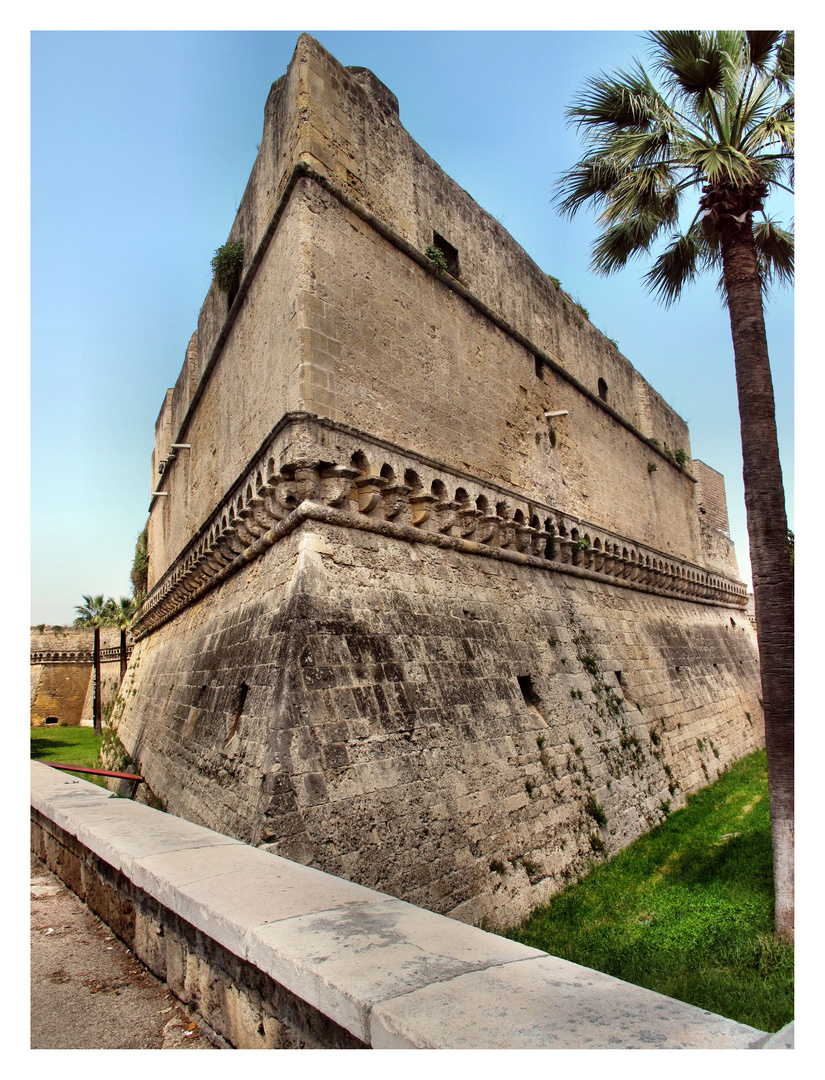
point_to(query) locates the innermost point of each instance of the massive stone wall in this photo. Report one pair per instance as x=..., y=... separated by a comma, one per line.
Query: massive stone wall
x=444, y=726
x=340, y=314
x=402, y=624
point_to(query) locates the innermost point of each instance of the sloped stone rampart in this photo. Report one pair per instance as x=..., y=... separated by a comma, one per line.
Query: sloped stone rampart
x=431, y=722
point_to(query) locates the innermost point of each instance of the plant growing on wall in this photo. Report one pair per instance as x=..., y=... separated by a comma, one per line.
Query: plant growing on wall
x=720, y=126
x=139, y=575
x=436, y=257
x=226, y=265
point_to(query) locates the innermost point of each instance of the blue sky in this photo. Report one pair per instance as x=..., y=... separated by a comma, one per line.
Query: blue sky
x=141, y=145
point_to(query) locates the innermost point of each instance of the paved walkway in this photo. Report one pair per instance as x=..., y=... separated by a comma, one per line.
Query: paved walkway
x=87, y=989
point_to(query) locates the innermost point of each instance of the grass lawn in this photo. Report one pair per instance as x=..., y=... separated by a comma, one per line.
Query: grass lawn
x=686, y=910
x=69, y=746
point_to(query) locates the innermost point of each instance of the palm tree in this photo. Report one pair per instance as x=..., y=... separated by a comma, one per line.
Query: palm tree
x=91, y=612
x=95, y=611
x=721, y=129
x=119, y=613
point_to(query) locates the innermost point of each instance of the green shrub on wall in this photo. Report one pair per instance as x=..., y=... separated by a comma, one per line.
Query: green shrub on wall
x=139, y=575
x=436, y=257
x=226, y=265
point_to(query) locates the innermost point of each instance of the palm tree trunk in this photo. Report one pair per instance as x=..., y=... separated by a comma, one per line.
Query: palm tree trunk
x=770, y=557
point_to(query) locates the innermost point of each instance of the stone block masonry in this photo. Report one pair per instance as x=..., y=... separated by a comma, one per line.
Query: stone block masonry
x=421, y=614
x=423, y=713
x=277, y=955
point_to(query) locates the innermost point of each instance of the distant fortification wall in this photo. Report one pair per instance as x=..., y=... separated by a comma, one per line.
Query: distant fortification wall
x=403, y=624
x=62, y=675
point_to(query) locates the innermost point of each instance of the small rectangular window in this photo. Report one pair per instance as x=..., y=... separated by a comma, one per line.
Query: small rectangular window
x=448, y=251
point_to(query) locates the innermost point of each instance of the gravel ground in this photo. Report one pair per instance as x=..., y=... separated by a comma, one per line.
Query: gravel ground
x=88, y=991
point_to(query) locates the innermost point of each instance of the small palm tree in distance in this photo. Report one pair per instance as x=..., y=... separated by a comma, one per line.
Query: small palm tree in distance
x=91, y=612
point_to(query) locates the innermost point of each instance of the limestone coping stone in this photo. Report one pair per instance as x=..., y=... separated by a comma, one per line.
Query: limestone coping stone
x=395, y=975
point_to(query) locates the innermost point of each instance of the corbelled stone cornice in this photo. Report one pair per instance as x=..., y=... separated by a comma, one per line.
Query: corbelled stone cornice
x=312, y=469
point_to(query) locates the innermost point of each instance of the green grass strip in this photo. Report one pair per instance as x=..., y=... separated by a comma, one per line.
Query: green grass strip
x=686, y=910
x=70, y=746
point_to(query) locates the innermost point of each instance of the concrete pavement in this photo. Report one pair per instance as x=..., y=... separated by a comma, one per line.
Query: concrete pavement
x=88, y=991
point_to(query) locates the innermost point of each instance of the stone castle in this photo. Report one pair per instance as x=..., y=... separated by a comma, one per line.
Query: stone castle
x=439, y=600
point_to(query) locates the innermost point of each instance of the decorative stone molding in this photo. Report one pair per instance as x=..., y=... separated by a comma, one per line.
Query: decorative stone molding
x=50, y=656
x=311, y=468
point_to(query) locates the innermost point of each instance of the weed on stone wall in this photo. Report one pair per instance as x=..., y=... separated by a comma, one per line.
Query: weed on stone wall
x=597, y=844
x=596, y=811
x=622, y=749
x=436, y=257
x=226, y=265
x=113, y=755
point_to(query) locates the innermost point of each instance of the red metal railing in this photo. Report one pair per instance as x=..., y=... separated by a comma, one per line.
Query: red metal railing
x=98, y=772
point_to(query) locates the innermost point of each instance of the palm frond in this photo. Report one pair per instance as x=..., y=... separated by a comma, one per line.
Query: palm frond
x=723, y=162
x=687, y=61
x=620, y=242
x=590, y=180
x=633, y=148
x=772, y=167
x=648, y=192
x=777, y=128
x=760, y=45
x=91, y=611
x=784, y=70
x=775, y=249
x=626, y=100
x=686, y=256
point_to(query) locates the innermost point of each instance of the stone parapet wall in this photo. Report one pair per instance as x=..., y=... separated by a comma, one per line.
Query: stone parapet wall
x=62, y=674
x=63, y=689
x=83, y=657
x=59, y=692
x=66, y=641
x=276, y=955
x=711, y=497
